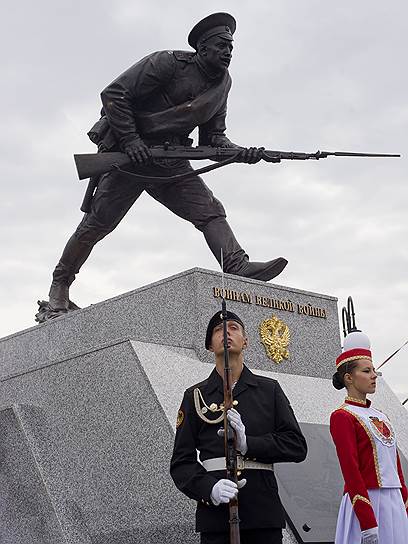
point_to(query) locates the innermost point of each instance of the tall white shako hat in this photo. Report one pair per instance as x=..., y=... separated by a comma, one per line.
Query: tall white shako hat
x=356, y=344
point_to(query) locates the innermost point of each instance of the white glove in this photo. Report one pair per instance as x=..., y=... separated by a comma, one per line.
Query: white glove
x=369, y=536
x=225, y=490
x=235, y=420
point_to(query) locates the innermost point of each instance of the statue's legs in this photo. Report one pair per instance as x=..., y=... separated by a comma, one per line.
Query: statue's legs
x=192, y=200
x=189, y=198
x=114, y=197
x=218, y=234
x=73, y=257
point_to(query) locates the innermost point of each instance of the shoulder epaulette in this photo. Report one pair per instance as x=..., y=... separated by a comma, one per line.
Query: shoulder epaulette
x=200, y=384
x=340, y=409
x=185, y=56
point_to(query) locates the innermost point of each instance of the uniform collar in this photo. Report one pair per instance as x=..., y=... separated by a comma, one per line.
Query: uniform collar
x=246, y=379
x=204, y=70
x=356, y=402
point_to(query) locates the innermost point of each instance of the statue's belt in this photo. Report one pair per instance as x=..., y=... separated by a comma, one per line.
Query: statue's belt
x=219, y=463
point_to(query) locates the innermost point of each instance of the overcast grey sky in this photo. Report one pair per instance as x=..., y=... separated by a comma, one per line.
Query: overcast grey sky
x=307, y=75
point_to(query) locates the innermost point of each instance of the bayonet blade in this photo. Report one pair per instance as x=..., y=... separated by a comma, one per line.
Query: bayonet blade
x=354, y=154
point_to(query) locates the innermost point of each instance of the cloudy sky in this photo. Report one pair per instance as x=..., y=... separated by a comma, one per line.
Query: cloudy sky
x=307, y=75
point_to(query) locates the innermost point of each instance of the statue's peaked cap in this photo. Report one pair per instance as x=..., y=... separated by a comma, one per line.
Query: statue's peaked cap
x=223, y=23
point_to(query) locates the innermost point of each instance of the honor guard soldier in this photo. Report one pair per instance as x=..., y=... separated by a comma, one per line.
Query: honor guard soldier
x=266, y=433
x=161, y=99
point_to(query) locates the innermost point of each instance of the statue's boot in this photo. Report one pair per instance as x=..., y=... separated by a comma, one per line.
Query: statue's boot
x=264, y=271
x=218, y=234
x=73, y=257
x=58, y=297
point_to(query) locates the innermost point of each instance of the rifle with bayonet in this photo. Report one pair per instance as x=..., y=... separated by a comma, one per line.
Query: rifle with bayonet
x=231, y=455
x=95, y=164
x=227, y=432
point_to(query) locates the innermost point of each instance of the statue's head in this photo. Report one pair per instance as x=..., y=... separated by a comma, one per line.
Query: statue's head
x=212, y=38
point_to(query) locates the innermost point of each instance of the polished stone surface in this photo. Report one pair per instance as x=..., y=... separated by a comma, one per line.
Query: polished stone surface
x=106, y=383
x=313, y=400
x=175, y=311
x=26, y=511
x=114, y=444
x=35, y=504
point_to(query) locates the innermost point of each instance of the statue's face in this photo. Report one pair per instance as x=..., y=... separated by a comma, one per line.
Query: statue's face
x=216, y=53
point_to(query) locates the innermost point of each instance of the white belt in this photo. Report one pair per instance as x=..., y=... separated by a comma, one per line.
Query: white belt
x=219, y=463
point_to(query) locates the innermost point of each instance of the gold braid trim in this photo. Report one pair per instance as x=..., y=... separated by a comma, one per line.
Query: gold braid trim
x=359, y=498
x=354, y=358
x=200, y=411
x=375, y=454
x=357, y=401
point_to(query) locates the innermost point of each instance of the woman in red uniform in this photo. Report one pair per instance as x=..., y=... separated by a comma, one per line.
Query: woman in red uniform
x=374, y=507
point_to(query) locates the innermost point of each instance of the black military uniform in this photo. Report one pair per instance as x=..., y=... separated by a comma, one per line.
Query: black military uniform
x=273, y=436
x=163, y=98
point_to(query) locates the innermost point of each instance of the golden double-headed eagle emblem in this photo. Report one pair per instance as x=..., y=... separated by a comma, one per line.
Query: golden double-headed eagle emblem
x=275, y=337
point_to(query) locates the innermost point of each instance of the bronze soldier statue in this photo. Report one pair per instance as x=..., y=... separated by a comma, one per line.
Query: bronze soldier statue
x=163, y=98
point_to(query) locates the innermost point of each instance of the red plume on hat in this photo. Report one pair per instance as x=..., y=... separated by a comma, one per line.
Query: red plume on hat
x=356, y=343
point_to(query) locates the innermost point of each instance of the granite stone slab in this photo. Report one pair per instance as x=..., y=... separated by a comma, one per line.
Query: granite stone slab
x=26, y=509
x=111, y=414
x=312, y=399
x=314, y=341
x=39, y=434
x=175, y=311
x=114, y=444
x=104, y=384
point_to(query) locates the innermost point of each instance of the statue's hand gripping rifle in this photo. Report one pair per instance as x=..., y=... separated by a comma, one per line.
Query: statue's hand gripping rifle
x=95, y=164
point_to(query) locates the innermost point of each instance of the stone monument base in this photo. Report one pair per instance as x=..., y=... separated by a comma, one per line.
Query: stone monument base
x=88, y=405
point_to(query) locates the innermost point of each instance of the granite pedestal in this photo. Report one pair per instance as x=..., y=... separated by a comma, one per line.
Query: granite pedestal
x=88, y=404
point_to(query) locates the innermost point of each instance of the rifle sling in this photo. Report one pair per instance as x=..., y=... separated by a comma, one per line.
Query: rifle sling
x=178, y=177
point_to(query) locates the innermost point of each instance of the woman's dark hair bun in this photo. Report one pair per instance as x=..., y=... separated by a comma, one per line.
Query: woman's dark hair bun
x=337, y=380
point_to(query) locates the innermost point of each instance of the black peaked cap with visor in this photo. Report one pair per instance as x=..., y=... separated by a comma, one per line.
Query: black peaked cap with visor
x=215, y=321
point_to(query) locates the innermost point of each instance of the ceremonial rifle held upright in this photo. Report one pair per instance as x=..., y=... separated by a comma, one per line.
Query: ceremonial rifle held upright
x=230, y=443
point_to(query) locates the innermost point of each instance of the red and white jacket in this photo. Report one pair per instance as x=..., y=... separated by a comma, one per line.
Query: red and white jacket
x=367, y=451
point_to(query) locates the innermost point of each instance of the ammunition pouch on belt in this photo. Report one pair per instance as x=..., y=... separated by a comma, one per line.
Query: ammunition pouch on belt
x=102, y=135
